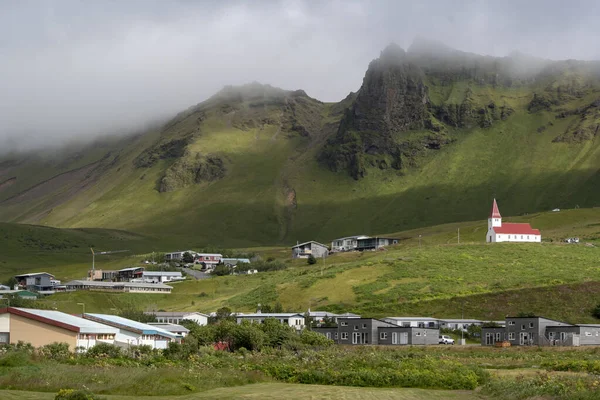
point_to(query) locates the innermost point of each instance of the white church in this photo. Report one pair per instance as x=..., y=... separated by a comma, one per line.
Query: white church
x=509, y=232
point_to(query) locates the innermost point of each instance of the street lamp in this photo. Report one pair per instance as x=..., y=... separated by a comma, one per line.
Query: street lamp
x=82, y=306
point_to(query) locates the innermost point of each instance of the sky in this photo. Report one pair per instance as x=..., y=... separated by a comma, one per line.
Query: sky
x=75, y=69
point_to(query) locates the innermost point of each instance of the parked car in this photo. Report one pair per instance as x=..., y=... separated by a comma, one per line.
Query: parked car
x=445, y=339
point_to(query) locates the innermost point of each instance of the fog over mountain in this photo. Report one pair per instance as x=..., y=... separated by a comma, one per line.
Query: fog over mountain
x=73, y=69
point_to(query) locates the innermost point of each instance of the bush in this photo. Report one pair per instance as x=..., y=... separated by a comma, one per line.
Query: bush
x=596, y=311
x=314, y=339
x=311, y=260
x=104, y=350
x=55, y=351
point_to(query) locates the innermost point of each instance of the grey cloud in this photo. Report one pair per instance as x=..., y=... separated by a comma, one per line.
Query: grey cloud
x=73, y=69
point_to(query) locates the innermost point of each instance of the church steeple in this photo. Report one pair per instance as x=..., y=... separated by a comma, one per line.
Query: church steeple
x=495, y=219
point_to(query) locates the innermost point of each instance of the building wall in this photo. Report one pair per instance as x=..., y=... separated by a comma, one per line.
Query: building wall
x=516, y=238
x=490, y=336
x=38, y=333
x=589, y=335
x=199, y=319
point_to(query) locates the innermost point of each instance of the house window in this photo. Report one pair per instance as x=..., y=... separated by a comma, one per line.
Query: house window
x=418, y=333
x=531, y=324
x=383, y=335
x=511, y=336
x=523, y=327
x=344, y=335
x=364, y=326
x=521, y=236
x=394, y=337
x=527, y=237
x=355, y=327
x=588, y=334
x=511, y=322
x=498, y=336
x=551, y=335
x=344, y=324
x=336, y=336
x=328, y=335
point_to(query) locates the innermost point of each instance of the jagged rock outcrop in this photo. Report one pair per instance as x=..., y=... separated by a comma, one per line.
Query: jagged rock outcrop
x=190, y=170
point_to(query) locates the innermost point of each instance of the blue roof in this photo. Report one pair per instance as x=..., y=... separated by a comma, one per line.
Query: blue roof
x=128, y=323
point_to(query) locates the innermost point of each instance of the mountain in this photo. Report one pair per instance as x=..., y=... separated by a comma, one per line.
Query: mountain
x=431, y=137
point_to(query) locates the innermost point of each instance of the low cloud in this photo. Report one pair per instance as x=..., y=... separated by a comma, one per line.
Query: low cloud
x=74, y=70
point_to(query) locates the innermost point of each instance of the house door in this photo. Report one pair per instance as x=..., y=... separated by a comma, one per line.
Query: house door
x=524, y=338
x=489, y=339
x=403, y=337
x=360, y=338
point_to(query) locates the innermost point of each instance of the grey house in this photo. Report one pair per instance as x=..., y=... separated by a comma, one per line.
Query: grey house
x=529, y=331
x=574, y=335
x=399, y=335
x=41, y=282
x=373, y=243
x=305, y=250
x=360, y=330
x=492, y=335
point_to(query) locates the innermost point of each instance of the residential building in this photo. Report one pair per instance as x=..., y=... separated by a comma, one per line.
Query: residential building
x=208, y=260
x=39, y=282
x=374, y=243
x=531, y=331
x=509, y=232
x=320, y=316
x=134, y=333
x=161, y=276
x=42, y=327
x=348, y=243
x=130, y=287
x=176, y=317
x=24, y=294
x=177, y=255
x=575, y=335
x=306, y=249
x=232, y=262
x=360, y=330
x=294, y=320
x=415, y=322
x=127, y=274
x=180, y=331
x=402, y=335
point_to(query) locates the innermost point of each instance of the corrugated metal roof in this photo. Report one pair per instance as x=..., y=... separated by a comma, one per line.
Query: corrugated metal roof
x=269, y=315
x=84, y=325
x=34, y=273
x=118, y=284
x=162, y=273
x=130, y=269
x=125, y=322
x=310, y=241
x=174, y=328
x=181, y=314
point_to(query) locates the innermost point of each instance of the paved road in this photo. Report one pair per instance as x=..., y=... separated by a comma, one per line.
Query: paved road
x=195, y=273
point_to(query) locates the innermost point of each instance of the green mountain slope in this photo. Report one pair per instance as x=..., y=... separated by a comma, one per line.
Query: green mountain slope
x=431, y=137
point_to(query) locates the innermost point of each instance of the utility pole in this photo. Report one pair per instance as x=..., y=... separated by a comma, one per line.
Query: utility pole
x=419, y=240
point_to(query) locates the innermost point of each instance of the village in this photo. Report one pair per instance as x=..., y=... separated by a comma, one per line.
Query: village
x=41, y=327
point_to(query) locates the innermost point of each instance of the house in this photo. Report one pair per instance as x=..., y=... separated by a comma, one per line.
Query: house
x=101, y=275
x=180, y=331
x=402, y=335
x=208, y=260
x=39, y=282
x=306, y=249
x=24, y=294
x=127, y=274
x=161, y=276
x=295, y=320
x=360, y=330
x=348, y=243
x=509, y=232
x=370, y=243
x=416, y=322
x=176, y=317
x=42, y=327
x=129, y=287
x=232, y=262
x=527, y=331
x=319, y=317
x=575, y=335
x=134, y=333
x=177, y=255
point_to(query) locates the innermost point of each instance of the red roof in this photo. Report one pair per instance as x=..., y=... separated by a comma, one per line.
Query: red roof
x=495, y=213
x=516, y=229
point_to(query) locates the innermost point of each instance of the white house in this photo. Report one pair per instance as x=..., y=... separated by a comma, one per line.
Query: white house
x=134, y=333
x=509, y=232
x=161, y=276
x=414, y=322
x=294, y=320
x=176, y=317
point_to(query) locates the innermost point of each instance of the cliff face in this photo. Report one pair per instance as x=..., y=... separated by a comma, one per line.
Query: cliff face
x=393, y=99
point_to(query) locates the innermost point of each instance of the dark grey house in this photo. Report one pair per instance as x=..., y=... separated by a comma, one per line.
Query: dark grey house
x=328, y=332
x=492, y=335
x=529, y=331
x=305, y=250
x=539, y=331
x=360, y=330
x=40, y=282
x=373, y=243
x=398, y=335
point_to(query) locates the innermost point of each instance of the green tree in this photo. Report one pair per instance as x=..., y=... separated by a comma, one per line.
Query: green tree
x=222, y=270
x=188, y=258
x=277, y=334
x=596, y=311
x=311, y=260
x=10, y=282
x=278, y=308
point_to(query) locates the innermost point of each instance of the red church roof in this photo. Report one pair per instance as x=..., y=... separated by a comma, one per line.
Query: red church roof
x=516, y=229
x=495, y=213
